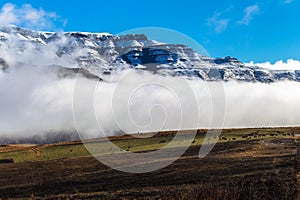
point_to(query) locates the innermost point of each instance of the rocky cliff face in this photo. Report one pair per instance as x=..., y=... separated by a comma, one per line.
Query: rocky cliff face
x=103, y=53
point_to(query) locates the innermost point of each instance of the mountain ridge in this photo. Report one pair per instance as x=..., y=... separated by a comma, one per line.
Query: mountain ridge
x=102, y=53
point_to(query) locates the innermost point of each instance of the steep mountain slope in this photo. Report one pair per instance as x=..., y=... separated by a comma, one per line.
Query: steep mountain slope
x=103, y=53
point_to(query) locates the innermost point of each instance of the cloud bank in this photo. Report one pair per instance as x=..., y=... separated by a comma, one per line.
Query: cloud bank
x=36, y=103
x=290, y=64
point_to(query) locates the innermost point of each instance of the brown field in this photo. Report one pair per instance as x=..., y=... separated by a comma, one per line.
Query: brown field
x=256, y=164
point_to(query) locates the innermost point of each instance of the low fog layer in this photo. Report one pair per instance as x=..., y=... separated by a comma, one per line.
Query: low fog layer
x=36, y=102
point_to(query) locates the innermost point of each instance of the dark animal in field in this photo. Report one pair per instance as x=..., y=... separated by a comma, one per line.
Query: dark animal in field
x=10, y=160
x=262, y=135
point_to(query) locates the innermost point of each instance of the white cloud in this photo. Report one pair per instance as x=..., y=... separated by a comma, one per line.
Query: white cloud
x=290, y=64
x=46, y=105
x=7, y=15
x=219, y=24
x=34, y=102
x=249, y=12
x=27, y=16
x=288, y=1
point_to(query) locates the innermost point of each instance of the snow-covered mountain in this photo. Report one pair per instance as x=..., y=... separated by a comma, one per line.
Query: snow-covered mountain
x=103, y=53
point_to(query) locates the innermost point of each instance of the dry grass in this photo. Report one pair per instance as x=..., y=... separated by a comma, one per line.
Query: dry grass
x=258, y=168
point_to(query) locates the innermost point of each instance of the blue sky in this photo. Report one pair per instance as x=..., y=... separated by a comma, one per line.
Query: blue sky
x=256, y=31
